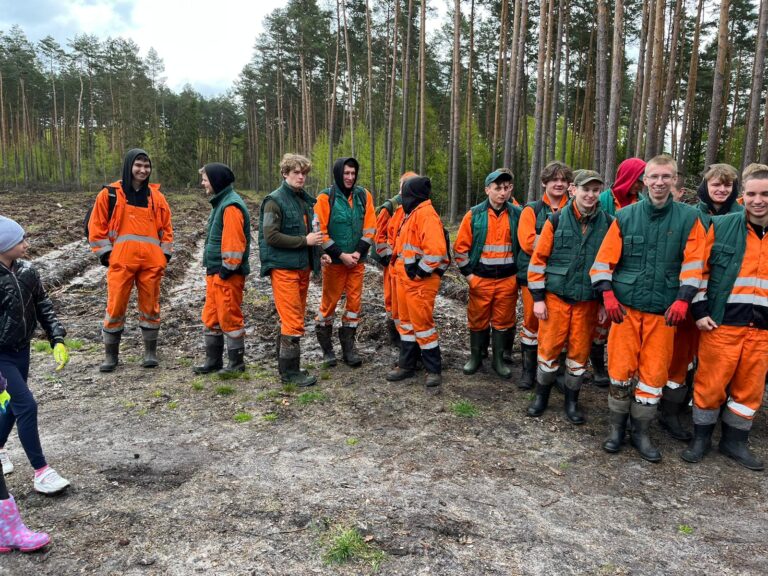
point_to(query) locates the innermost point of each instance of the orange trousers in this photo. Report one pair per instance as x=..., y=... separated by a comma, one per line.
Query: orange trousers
x=136, y=259
x=416, y=302
x=492, y=302
x=222, y=311
x=530, y=328
x=735, y=355
x=567, y=326
x=600, y=333
x=394, y=306
x=387, y=284
x=684, y=350
x=289, y=290
x=641, y=346
x=338, y=280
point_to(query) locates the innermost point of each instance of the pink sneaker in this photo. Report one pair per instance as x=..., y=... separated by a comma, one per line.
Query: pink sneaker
x=14, y=535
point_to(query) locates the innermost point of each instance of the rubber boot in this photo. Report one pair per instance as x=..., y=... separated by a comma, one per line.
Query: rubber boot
x=530, y=363
x=599, y=373
x=672, y=404
x=544, y=382
x=733, y=443
x=348, y=348
x=700, y=445
x=323, y=333
x=508, y=344
x=214, y=348
x=14, y=535
x=433, y=364
x=618, y=414
x=111, y=349
x=475, y=352
x=572, y=388
x=392, y=334
x=235, y=356
x=288, y=363
x=642, y=416
x=149, y=336
x=484, y=343
x=499, y=340
x=560, y=380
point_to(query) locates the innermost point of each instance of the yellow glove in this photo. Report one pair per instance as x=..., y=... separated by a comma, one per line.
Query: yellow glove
x=4, y=399
x=61, y=355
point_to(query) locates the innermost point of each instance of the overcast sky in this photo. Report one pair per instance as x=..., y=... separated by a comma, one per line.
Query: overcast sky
x=205, y=44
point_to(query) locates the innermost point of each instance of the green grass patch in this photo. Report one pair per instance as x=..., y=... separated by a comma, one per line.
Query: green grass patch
x=348, y=545
x=158, y=394
x=234, y=375
x=269, y=417
x=225, y=390
x=241, y=417
x=325, y=375
x=198, y=384
x=184, y=362
x=464, y=409
x=311, y=397
x=128, y=405
x=289, y=388
x=41, y=346
x=173, y=404
x=352, y=441
x=685, y=529
x=268, y=395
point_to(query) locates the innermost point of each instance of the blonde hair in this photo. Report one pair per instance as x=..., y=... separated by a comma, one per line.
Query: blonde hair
x=725, y=173
x=754, y=171
x=662, y=160
x=295, y=162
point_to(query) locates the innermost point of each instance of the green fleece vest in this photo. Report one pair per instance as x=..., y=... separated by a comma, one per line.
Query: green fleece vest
x=607, y=202
x=294, y=210
x=647, y=276
x=480, y=230
x=345, y=225
x=573, y=253
x=725, y=260
x=212, y=254
x=542, y=210
x=390, y=205
x=706, y=215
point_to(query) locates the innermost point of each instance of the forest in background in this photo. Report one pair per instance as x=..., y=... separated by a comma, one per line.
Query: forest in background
x=490, y=83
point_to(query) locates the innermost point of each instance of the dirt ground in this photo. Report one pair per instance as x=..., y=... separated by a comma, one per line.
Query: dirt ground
x=169, y=475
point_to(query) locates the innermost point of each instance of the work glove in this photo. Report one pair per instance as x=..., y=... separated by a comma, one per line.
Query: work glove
x=61, y=355
x=385, y=260
x=168, y=258
x=676, y=313
x=4, y=396
x=224, y=273
x=613, y=309
x=104, y=259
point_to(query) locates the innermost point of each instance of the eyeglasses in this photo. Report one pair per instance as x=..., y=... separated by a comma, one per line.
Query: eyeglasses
x=655, y=177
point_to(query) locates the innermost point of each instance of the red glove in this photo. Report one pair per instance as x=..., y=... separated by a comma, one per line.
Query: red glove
x=676, y=313
x=613, y=309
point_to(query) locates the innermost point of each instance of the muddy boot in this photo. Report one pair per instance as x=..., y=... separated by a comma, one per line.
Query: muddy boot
x=530, y=362
x=700, y=445
x=484, y=343
x=476, y=338
x=112, y=350
x=214, y=348
x=149, y=336
x=618, y=415
x=392, y=334
x=733, y=443
x=572, y=388
x=599, y=373
x=348, y=348
x=323, y=332
x=406, y=363
x=14, y=535
x=508, y=343
x=433, y=384
x=235, y=355
x=544, y=382
x=561, y=366
x=671, y=405
x=642, y=416
x=499, y=340
x=433, y=364
x=288, y=363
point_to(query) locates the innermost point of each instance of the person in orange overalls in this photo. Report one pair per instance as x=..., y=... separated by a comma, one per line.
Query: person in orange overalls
x=227, y=250
x=731, y=310
x=648, y=269
x=421, y=256
x=135, y=242
x=347, y=219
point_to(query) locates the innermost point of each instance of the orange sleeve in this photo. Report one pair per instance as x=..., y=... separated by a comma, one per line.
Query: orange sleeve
x=381, y=245
x=165, y=227
x=432, y=242
x=526, y=230
x=692, y=269
x=607, y=257
x=98, y=225
x=369, y=224
x=699, y=305
x=323, y=212
x=233, y=239
x=538, y=264
x=463, y=244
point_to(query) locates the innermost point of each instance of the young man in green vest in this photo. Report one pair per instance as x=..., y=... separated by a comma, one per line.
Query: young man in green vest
x=347, y=221
x=227, y=248
x=288, y=253
x=564, y=301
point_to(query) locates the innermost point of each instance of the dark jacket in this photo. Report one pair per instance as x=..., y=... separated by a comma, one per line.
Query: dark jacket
x=24, y=303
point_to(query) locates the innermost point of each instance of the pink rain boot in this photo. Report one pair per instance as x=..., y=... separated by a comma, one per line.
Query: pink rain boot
x=13, y=534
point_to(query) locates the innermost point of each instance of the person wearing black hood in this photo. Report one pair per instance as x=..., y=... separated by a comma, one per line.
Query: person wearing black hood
x=421, y=258
x=227, y=248
x=135, y=242
x=718, y=192
x=347, y=219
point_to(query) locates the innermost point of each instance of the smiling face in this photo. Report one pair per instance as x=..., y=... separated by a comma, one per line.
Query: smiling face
x=587, y=195
x=756, y=200
x=140, y=171
x=349, y=176
x=659, y=179
x=719, y=190
x=556, y=187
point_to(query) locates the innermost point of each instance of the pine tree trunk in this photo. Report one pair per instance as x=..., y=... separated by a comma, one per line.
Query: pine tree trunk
x=649, y=46
x=371, y=127
x=406, y=66
x=669, y=89
x=422, y=87
x=538, y=131
x=499, y=82
x=713, y=132
x=617, y=65
x=350, y=93
x=634, y=117
x=514, y=86
x=601, y=92
x=561, y=15
x=566, y=86
x=391, y=104
x=655, y=84
x=758, y=71
x=455, y=112
x=693, y=70
x=469, y=194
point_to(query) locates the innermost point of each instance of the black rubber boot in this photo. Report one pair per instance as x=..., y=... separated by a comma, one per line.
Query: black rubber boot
x=288, y=363
x=618, y=422
x=560, y=380
x=392, y=334
x=348, y=349
x=150, y=347
x=572, y=410
x=406, y=363
x=214, y=348
x=235, y=363
x=323, y=333
x=530, y=362
x=599, y=373
x=700, y=445
x=671, y=406
x=508, y=344
x=475, y=352
x=112, y=351
x=642, y=416
x=499, y=340
x=484, y=343
x=544, y=381
x=733, y=443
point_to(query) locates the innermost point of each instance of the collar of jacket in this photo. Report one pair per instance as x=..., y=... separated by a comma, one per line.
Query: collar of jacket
x=216, y=198
x=652, y=210
x=300, y=193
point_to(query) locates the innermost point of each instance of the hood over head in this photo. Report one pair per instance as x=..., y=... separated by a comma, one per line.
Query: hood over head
x=415, y=191
x=219, y=175
x=130, y=158
x=338, y=173
x=703, y=193
x=628, y=173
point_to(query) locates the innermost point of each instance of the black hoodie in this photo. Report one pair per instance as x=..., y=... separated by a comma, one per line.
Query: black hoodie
x=338, y=174
x=140, y=197
x=219, y=175
x=415, y=191
x=703, y=193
